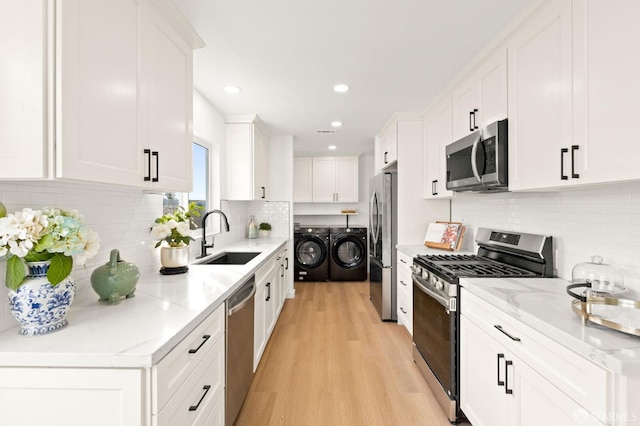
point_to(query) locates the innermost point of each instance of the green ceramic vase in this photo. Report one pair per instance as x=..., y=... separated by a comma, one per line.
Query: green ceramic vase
x=115, y=279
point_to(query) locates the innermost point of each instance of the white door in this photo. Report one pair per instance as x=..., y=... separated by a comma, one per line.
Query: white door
x=170, y=102
x=347, y=179
x=324, y=179
x=540, y=91
x=97, y=92
x=607, y=91
x=302, y=179
x=24, y=75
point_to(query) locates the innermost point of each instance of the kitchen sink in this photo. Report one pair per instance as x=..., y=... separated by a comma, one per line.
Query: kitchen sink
x=230, y=258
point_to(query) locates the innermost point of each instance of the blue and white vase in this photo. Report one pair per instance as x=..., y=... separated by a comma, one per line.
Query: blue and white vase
x=40, y=307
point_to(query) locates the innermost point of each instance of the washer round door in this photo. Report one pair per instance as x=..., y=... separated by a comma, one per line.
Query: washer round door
x=311, y=252
x=349, y=252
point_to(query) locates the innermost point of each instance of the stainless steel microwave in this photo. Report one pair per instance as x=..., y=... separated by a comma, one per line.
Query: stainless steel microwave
x=478, y=162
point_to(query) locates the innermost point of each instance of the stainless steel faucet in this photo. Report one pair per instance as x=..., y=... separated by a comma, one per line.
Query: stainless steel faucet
x=203, y=244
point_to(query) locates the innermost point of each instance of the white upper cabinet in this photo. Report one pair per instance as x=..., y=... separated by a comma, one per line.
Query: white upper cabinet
x=481, y=98
x=170, y=92
x=335, y=179
x=303, y=179
x=386, y=155
x=437, y=135
x=25, y=82
x=112, y=79
x=540, y=104
x=246, y=159
x=606, y=89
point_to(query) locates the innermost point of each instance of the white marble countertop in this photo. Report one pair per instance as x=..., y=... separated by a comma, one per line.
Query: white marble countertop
x=544, y=305
x=141, y=330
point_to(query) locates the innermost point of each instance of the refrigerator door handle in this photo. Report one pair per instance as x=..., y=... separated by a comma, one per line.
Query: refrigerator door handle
x=373, y=225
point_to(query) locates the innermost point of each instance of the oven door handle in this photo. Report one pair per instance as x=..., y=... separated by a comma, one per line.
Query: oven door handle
x=442, y=300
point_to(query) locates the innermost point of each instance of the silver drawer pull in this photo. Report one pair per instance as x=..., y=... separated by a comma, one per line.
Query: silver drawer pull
x=206, y=390
x=204, y=340
x=500, y=329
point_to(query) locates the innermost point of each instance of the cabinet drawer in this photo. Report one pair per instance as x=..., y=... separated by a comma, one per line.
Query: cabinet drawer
x=405, y=298
x=404, y=261
x=197, y=397
x=580, y=379
x=405, y=309
x=169, y=374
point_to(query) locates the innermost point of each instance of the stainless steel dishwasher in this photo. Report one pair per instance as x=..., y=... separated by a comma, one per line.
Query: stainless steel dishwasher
x=239, y=348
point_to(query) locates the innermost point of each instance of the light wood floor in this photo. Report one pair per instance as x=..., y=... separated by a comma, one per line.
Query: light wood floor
x=331, y=361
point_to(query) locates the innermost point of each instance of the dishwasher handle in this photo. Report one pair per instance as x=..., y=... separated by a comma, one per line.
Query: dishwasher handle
x=237, y=306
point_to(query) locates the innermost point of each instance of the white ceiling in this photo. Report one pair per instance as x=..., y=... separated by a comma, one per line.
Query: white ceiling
x=287, y=55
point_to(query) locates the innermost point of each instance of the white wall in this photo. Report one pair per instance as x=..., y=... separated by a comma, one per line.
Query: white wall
x=329, y=213
x=583, y=222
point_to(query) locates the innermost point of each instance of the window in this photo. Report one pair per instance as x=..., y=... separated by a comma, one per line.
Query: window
x=200, y=194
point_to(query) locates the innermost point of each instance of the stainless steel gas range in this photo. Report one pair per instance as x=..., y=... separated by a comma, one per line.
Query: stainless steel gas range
x=436, y=307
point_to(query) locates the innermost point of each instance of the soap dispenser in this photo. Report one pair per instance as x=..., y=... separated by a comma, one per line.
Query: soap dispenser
x=252, y=231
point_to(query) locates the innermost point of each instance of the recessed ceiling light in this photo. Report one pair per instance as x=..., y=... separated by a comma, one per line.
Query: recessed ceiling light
x=336, y=123
x=340, y=88
x=232, y=89
x=332, y=147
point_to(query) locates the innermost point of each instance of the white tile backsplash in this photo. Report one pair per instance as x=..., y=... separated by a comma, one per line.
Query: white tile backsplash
x=122, y=217
x=604, y=220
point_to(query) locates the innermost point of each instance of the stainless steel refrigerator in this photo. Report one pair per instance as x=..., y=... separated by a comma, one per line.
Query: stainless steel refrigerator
x=383, y=229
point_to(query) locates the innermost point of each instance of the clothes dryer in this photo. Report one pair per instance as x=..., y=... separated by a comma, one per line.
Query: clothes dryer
x=348, y=259
x=311, y=249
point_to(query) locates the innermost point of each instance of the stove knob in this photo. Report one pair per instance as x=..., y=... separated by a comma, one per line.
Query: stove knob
x=433, y=280
x=440, y=285
x=425, y=275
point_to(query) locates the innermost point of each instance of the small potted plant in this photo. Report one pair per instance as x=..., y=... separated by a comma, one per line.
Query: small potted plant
x=39, y=246
x=172, y=231
x=265, y=229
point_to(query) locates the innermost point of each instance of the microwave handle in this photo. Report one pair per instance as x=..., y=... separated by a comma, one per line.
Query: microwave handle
x=474, y=164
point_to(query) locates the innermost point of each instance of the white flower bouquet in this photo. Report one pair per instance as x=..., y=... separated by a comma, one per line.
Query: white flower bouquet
x=174, y=228
x=45, y=235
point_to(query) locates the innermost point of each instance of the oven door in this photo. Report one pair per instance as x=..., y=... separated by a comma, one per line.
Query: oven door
x=434, y=335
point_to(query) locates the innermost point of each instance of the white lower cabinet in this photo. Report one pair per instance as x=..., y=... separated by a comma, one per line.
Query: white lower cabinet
x=405, y=291
x=265, y=309
x=101, y=397
x=188, y=382
x=512, y=375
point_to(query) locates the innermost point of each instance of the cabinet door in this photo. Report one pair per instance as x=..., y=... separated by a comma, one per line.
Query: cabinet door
x=483, y=378
x=97, y=92
x=24, y=77
x=606, y=89
x=540, y=77
x=80, y=396
x=261, y=164
x=466, y=102
x=169, y=73
x=390, y=146
x=346, y=179
x=492, y=85
x=259, y=335
x=302, y=179
x=238, y=152
x=438, y=134
x=324, y=179
x=431, y=152
x=540, y=402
